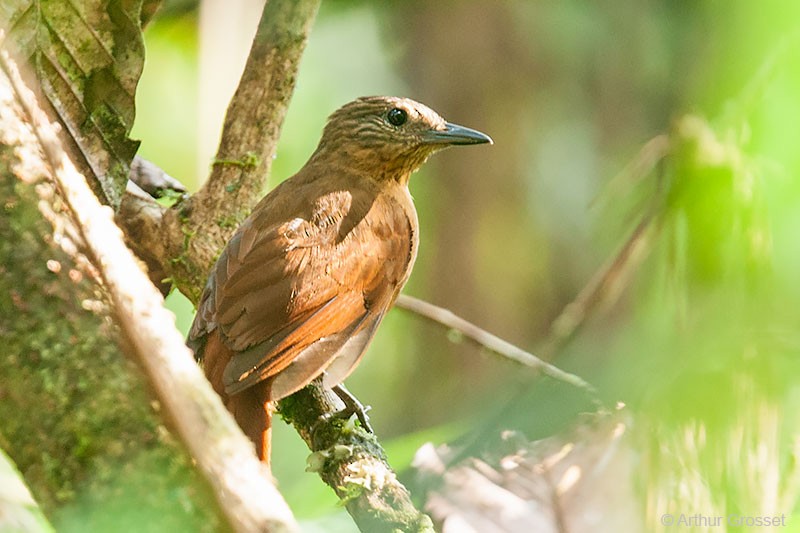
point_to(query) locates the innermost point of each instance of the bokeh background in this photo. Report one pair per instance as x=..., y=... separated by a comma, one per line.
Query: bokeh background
x=702, y=341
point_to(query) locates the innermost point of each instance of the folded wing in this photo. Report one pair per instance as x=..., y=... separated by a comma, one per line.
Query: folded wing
x=298, y=292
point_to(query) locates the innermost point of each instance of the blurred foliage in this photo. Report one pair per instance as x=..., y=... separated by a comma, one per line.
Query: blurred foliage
x=702, y=345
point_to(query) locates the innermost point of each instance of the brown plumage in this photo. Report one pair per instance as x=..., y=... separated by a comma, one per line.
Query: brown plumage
x=302, y=285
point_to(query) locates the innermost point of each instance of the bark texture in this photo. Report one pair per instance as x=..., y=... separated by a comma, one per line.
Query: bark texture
x=91, y=437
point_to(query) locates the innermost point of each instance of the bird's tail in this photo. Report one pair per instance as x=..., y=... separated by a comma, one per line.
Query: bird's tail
x=252, y=408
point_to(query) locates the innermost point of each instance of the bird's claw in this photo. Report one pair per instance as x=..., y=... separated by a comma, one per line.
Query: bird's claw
x=351, y=407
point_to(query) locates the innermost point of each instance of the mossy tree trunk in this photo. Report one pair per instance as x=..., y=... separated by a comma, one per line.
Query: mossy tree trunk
x=76, y=416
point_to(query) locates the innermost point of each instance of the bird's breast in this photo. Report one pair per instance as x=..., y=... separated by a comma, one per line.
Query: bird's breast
x=406, y=225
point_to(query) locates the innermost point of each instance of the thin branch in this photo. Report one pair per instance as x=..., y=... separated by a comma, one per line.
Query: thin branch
x=642, y=164
x=197, y=229
x=604, y=287
x=486, y=340
x=242, y=486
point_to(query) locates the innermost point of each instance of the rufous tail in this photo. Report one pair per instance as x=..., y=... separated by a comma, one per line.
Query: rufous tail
x=251, y=407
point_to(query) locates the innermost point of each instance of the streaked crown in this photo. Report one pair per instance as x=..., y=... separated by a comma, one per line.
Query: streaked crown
x=389, y=137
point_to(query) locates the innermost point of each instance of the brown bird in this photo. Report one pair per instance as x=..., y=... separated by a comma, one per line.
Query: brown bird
x=301, y=287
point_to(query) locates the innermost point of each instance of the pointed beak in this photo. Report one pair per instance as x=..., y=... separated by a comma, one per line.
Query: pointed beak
x=455, y=134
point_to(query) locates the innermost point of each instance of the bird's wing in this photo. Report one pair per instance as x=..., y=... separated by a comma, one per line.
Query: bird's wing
x=297, y=290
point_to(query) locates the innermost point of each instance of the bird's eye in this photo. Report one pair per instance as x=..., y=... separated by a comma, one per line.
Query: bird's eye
x=397, y=117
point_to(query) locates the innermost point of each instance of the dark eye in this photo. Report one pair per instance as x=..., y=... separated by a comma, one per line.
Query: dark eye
x=397, y=117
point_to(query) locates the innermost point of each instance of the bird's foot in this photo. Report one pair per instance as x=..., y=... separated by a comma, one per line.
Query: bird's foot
x=351, y=407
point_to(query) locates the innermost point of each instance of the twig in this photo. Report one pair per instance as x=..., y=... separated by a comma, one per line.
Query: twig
x=486, y=340
x=242, y=486
x=610, y=280
x=642, y=164
x=604, y=287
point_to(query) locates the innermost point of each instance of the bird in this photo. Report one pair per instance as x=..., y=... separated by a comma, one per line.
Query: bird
x=302, y=285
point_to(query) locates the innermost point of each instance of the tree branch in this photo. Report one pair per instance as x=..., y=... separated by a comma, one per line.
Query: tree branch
x=603, y=288
x=605, y=285
x=355, y=465
x=484, y=339
x=197, y=229
x=351, y=461
x=224, y=455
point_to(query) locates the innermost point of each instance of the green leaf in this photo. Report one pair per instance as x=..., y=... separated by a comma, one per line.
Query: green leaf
x=87, y=57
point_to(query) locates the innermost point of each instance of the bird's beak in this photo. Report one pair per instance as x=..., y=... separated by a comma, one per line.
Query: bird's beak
x=455, y=134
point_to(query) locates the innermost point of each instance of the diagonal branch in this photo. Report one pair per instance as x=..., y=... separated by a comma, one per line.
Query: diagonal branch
x=225, y=457
x=605, y=286
x=191, y=235
x=351, y=461
x=197, y=229
x=18, y=510
x=483, y=338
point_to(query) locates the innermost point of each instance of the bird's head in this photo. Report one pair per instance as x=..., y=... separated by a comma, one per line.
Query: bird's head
x=389, y=137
